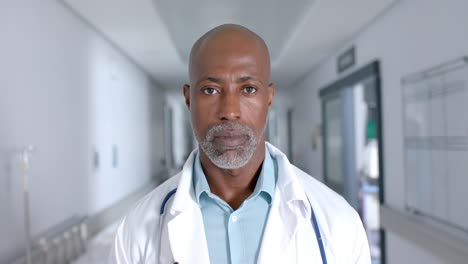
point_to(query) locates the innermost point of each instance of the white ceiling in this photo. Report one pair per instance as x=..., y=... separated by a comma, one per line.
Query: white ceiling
x=158, y=34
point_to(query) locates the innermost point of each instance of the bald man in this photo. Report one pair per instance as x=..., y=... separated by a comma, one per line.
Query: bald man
x=237, y=199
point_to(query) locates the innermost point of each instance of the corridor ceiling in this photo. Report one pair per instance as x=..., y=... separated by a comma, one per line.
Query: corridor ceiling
x=158, y=34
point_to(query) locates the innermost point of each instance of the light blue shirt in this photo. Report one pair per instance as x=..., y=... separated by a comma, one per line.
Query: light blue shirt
x=235, y=236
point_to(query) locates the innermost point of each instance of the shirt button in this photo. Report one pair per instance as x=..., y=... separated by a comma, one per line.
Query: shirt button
x=234, y=218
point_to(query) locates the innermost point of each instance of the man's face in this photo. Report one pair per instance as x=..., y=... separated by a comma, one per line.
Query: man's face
x=229, y=99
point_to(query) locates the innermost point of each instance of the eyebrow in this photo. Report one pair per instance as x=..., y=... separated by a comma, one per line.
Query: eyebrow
x=213, y=79
x=246, y=78
x=239, y=80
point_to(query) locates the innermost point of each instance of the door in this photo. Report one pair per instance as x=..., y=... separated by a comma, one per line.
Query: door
x=333, y=142
x=352, y=147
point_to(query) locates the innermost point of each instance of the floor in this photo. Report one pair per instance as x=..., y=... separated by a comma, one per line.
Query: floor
x=98, y=248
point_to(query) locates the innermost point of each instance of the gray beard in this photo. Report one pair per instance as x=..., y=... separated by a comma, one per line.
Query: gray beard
x=222, y=156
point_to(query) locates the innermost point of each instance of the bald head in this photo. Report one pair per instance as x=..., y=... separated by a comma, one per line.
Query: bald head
x=226, y=41
x=229, y=96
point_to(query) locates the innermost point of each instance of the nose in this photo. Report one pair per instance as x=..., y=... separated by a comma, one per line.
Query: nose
x=229, y=107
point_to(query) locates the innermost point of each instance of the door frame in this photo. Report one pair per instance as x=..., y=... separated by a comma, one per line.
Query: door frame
x=330, y=90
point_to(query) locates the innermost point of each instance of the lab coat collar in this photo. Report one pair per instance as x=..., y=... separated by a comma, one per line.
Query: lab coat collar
x=287, y=181
x=185, y=193
x=289, y=185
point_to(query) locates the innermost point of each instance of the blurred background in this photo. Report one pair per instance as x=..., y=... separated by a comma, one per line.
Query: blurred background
x=371, y=99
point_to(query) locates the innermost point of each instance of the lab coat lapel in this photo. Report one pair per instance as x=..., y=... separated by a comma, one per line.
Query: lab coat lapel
x=187, y=237
x=186, y=232
x=289, y=236
x=277, y=243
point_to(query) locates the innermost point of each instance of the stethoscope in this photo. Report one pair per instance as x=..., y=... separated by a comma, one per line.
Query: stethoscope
x=318, y=235
x=313, y=219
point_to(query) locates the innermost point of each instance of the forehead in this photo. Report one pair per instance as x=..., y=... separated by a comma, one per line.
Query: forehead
x=228, y=58
x=244, y=64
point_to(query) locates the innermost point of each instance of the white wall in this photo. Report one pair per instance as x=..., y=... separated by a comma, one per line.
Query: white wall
x=121, y=116
x=174, y=99
x=281, y=105
x=65, y=89
x=411, y=36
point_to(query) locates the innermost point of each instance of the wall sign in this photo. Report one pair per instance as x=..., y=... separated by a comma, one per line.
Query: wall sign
x=346, y=60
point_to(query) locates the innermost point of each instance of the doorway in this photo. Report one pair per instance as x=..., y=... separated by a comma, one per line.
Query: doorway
x=352, y=147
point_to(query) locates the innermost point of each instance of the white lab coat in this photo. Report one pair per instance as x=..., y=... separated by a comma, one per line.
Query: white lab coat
x=178, y=235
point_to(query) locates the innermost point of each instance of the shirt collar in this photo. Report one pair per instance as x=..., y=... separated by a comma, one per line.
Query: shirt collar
x=199, y=179
x=265, y=184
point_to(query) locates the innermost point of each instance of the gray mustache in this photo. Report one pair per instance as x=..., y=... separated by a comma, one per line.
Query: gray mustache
x=231, y=126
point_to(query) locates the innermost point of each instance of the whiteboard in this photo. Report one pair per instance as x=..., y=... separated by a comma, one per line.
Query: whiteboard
x=435, y=103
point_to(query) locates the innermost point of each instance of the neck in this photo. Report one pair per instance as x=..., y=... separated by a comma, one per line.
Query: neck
x=234, y=185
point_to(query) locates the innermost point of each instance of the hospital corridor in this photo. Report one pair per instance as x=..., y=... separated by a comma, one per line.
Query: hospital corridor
x=370, y=102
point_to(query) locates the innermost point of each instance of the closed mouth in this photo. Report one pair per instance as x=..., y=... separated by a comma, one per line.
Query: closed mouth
x=230, y=139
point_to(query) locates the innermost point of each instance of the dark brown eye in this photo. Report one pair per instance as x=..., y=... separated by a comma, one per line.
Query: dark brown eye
x=210, y=90
x=249, y=90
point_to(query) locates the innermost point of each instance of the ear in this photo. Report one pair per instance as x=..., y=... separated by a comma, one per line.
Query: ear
x=271, y=93
x=187, y=95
